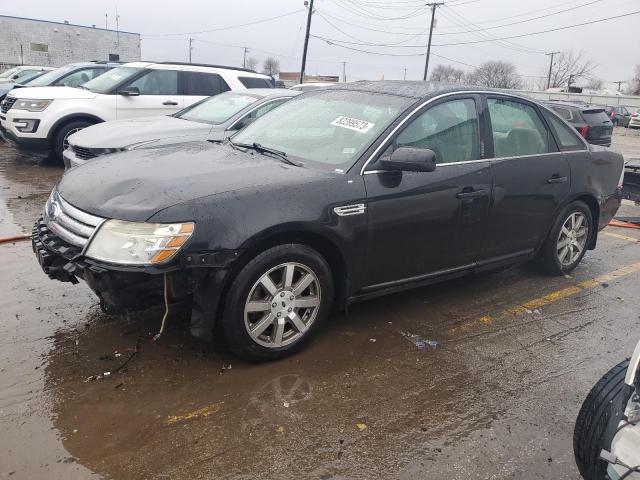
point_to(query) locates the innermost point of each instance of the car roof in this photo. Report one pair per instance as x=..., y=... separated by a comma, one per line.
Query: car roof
x=581, y=107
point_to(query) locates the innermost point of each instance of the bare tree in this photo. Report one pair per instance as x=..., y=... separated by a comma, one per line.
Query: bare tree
x=271, y=66
x=252, y=63
x=594, y=83
x=447, y=74
x=570, y=65
x=495, y=74
x=634, y=85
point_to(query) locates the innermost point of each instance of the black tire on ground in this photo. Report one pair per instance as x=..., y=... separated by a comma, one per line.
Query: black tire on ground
x=233, y=322
x=548, y=255
x=64, y=131
x=598, y=421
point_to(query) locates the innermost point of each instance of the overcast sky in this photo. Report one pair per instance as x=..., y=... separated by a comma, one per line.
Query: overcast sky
x=613, y=45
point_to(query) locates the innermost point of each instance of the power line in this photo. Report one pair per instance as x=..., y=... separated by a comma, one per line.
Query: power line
x=226, y=28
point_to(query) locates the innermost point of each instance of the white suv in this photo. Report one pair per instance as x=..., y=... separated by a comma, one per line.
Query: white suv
x=42, y=118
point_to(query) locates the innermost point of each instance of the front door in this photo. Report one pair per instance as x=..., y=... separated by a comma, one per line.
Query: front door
x=531, y=178
x=158, y=95
x=426, y=222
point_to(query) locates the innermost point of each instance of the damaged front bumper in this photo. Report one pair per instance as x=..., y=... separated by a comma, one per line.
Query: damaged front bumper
x=195, y=279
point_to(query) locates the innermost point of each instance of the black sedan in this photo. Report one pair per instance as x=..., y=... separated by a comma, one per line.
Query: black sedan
x=337, y=196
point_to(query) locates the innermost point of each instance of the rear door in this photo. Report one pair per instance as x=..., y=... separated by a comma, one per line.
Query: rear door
x=158, y=95
x=531, y=178
x=429, y=222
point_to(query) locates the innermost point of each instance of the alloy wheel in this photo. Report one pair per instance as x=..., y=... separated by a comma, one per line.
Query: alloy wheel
x=572, y=238
x=282, y=305
x=65, y=141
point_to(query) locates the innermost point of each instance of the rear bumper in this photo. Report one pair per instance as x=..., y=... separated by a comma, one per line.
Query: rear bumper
x=604, y=142
x=609, y=207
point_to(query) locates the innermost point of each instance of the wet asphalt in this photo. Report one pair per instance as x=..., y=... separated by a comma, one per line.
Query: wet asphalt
x=496, y=398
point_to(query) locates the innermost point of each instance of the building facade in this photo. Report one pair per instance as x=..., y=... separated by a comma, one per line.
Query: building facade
x=26, y=41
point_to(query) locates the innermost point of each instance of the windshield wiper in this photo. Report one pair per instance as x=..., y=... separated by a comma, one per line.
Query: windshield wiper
x=261, y=149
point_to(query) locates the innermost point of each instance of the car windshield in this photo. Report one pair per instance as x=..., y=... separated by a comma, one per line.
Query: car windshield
x=49, y=77
x=9, y=72
x=217, y=109
x=329, y=129
x=28, y=77
x=107, y=81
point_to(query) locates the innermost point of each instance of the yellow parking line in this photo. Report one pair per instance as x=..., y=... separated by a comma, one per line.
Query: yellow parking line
x=201, y=412
x=621, y=237
x=539, y=302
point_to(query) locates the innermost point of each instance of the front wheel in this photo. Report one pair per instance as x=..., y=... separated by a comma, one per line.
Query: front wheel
x=276, y=302
x=568, y=240
x=61, y=139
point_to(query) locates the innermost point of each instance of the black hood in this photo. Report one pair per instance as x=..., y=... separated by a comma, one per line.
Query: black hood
x=137, y=184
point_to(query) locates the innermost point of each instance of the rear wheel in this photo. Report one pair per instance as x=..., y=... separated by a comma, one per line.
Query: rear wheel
x=276, y=302
x=598, y=421
x=568, y=240
x=61, y=139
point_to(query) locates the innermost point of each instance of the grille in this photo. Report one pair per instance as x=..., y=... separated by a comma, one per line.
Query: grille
x=69, y=223
x=8, y=103
x=82, y=152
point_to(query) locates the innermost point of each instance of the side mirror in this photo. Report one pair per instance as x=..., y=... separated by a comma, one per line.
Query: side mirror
x=129, y=91
x=410, y=160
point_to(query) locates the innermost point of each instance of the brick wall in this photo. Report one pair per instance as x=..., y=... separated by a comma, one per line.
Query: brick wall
x=65, y=43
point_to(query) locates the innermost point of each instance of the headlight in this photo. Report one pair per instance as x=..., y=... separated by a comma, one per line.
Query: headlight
x=32, y=105
x=138, y=243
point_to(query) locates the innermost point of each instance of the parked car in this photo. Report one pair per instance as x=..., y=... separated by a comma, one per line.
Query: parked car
x=72, y=75
x=618, y=115
x=338, y=195
x=16, y=74
x=634, y=119
x=307, y=87
x=42, y=118
x=591, y=121
x=214, y=118
x=7, y=86
x=606, y=441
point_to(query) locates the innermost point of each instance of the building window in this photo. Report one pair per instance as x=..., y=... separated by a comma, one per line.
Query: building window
x=114, y=57
x=39, y=47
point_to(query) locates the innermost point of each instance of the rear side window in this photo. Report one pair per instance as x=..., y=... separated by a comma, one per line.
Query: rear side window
x=157, y=82
x=563, y=112
x=253, y=82
x=567, y=137
x=595, y=117
x=517, y=129
x=203, y=84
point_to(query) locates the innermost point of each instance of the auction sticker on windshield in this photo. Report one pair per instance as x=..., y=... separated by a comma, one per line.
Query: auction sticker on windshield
x=353, y=124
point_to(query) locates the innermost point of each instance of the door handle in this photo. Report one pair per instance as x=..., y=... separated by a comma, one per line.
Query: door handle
x=169, y=102
x=465, y=194
x=557, y=179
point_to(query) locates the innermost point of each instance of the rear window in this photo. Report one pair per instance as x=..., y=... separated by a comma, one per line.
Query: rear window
x=595, y=117
x=203, y=84
x=253, y=82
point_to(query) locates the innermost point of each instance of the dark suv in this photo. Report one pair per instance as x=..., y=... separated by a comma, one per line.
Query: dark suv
x=591, y=121
x=618, y=115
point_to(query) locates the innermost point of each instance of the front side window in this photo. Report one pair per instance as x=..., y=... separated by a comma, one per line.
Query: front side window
x=517, y=129
x=105, y=83
x=204, y=84
x=157, y=82
x=329, y=129
x=449, y=129
x=50, y=77
x=567, y=137
x=217, y=109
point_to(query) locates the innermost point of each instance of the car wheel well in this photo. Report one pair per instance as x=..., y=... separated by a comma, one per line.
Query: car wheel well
x=65, y=121
x=593, y=205
x=325, y=247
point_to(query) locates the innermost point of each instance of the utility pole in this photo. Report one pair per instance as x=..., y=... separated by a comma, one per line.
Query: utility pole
x=551, y=54
x=117, y=26
x=433, y=16
x=244, y=58
x=190, y=48
x=404, y=76
x=344, y=72
x=309, y=5
x=619, y=82
x=106, y=21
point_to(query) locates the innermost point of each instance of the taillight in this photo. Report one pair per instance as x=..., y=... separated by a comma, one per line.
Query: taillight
x=584, y=131
x=634, y=114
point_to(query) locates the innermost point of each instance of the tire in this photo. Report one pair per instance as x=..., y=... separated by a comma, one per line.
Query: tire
x=60, y=138
x=550, y=256
x=598, y=421
x=273, y=307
